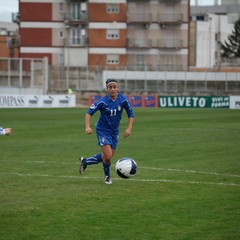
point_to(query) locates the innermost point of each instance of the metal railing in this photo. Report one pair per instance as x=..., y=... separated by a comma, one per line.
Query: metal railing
x=80, y=17
x=34, y=76
x=174, y=18
x=78, y=41
x=139, y=43
x=170, y=43
x=139, y=17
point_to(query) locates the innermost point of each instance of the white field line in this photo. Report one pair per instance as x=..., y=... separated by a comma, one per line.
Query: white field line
x=193, y=171
x=119, y=179
x=156, y=169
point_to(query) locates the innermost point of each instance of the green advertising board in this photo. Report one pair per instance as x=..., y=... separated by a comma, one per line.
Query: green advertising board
x=193, y=102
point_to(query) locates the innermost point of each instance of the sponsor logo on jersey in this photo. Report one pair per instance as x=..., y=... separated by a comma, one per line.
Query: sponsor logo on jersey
x=92, y=106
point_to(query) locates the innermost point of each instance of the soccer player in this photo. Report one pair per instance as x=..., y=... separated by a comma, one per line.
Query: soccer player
x=5, y=131
x=107, y=129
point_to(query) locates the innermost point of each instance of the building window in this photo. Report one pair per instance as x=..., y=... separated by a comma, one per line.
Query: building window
x=112, y=8
x=112, y=59
x=75, y=10
x=61, y=7
x=140, y=60
x=112, y=34
x=76, y=36
x=200, y=18
x=60, y=58
x=61, y=34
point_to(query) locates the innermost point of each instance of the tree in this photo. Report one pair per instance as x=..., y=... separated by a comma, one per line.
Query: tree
x=231, y=47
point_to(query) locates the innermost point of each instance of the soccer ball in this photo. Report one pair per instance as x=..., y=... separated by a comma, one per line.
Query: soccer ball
x=126, y=167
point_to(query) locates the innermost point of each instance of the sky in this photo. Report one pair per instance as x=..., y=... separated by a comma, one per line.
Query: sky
x=7, y=7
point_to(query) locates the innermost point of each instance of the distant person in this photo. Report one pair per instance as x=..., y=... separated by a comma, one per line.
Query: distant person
x=111, y=107
x=5, y=131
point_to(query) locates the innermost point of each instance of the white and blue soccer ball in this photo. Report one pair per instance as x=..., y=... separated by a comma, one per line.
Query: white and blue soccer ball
x=126, y=167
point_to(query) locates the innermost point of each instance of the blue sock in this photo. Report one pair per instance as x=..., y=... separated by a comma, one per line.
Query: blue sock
x=106, y=168
x=93, y=160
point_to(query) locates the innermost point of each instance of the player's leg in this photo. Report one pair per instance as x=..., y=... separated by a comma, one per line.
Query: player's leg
x=95, y=159
x=105, y=142
x=107, y=154
x=84, y=162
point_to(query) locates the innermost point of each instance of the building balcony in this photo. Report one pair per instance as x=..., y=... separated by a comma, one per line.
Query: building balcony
x=170, y=1
x=169, y=44
x=76, y=42
x=139, y=18
x=139, y=43
x=170, y=19
x=72, y=18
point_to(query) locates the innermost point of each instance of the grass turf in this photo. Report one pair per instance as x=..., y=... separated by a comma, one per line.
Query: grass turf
x=187, y=185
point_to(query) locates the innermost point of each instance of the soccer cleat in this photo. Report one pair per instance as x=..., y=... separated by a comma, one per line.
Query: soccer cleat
x=108, y=180
x=82, y=166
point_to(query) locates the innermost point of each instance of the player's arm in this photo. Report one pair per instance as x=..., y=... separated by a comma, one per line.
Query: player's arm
x=128, y=130
x=129, y=109
x=88, y=129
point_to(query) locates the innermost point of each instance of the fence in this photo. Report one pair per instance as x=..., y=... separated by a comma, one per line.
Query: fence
x=178, y=82
x=35, y=76
x=21, y=75
x=160, y=82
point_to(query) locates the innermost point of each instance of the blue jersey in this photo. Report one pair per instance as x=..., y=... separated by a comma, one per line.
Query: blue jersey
x=2, y=131
x=111, y=112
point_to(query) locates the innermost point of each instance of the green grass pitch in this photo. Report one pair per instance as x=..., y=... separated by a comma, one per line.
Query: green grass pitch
x=187, y=185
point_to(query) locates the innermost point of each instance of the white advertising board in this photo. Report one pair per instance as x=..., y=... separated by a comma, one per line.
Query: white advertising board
x=37, y=101
x=235, y=102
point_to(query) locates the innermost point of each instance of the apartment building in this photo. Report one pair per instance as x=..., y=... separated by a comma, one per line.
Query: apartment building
x=117, y=34
x=210, y=26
